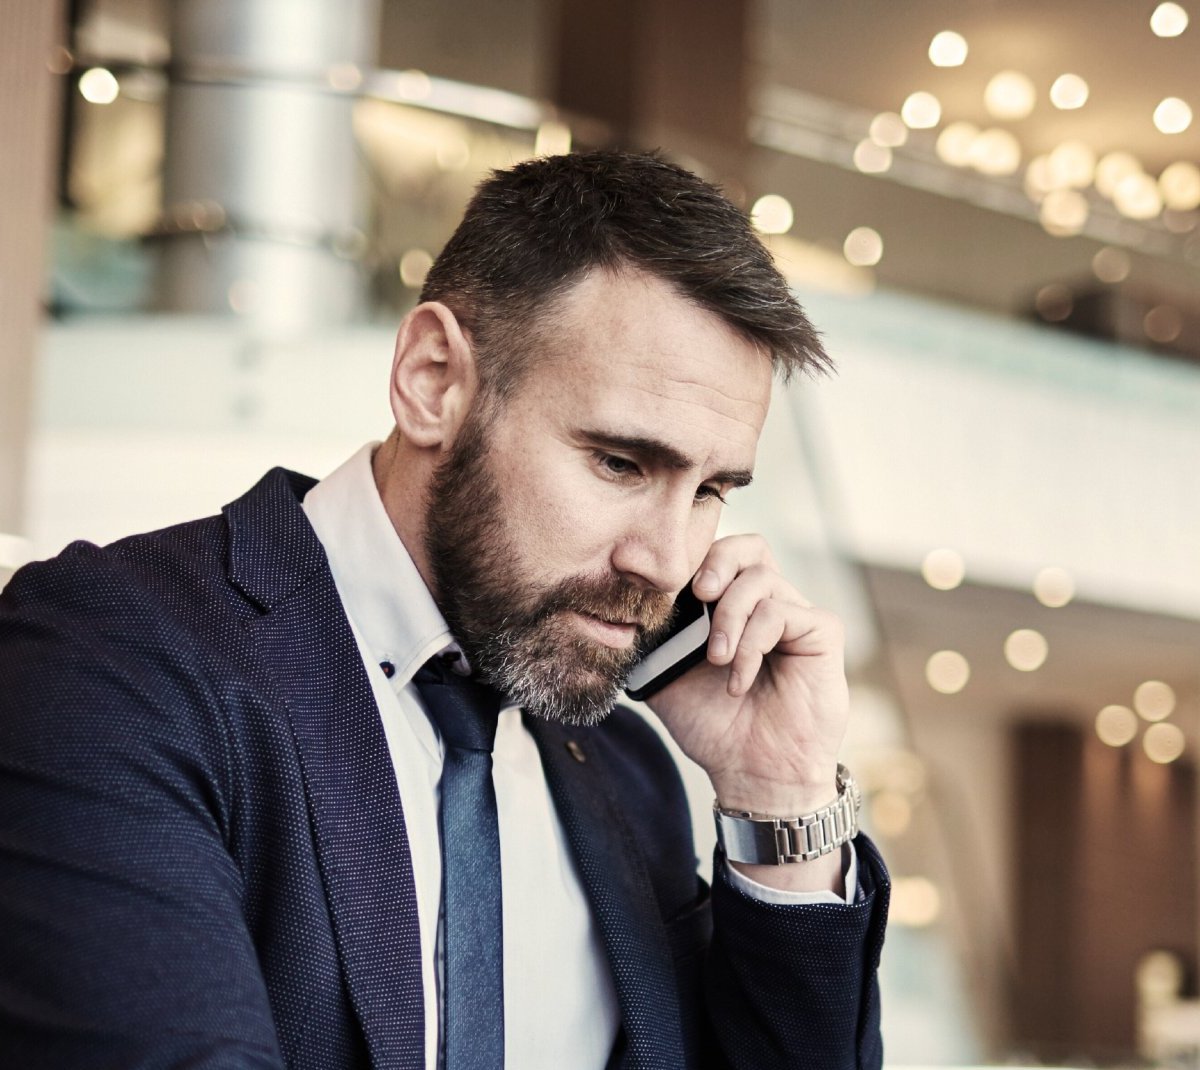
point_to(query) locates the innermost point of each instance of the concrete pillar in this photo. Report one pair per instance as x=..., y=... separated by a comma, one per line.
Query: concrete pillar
x=262, y=190
x=28, y=140
x=668, y=74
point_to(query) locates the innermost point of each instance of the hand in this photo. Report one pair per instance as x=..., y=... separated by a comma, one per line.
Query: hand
x=765, y=715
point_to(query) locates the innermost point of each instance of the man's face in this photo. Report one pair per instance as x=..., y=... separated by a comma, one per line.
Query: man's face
x=560, y=530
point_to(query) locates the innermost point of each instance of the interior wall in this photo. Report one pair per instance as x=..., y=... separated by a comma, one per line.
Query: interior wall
x=1105, y=868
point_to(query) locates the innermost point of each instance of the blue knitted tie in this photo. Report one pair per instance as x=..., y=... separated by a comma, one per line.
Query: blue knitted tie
x=465, y=712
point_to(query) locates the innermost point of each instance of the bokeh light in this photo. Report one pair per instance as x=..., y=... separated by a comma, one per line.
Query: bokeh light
x=1172, y=116
x=772, y=214
x=943, y=569
x=1068, y=92
x=1053, y=586
x=1111, y=264
x=1168, y=20
x=97, y=85
x=1154, y=700
x=1009, y=95
x=921, y=111
x=1163, y=742
x=1116, y=725
x=863, y=247
x=948, y=49
x=1026, y=650
x=947, y=672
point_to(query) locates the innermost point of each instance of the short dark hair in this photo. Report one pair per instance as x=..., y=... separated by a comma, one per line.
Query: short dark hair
x=531, y=232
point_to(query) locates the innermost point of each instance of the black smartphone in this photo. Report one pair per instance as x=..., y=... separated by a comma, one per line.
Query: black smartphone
x=683, y=646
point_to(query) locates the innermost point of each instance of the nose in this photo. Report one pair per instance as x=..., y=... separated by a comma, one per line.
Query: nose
x=660, y=548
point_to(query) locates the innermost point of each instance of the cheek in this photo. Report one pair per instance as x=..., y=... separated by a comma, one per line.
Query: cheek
x=556, y=517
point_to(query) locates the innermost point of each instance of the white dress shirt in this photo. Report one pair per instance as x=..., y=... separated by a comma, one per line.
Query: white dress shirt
x=560, y=1007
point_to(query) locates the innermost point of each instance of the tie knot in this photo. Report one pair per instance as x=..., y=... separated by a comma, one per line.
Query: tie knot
x=464, y=709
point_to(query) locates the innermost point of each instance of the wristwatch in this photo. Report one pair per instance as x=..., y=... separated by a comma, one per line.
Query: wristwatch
x=766, y=840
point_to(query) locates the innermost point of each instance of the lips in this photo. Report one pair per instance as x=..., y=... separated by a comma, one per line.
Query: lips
x=619, y=634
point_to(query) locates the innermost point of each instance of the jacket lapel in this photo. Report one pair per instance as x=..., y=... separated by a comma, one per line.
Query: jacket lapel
x=618, y=886
x=362, y=847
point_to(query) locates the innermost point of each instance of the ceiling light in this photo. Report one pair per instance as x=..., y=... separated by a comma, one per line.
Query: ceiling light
x=1163, y=324
x=1116, y=725
x=863, y=247
x=1068, y=92
x=1063, y=212
x=1039, y=179
x=995, y=152
x=1009, y=95
x=1179, y=222
x=947, y=672
x=921, y=110
x=344, y=77
x=1026, y=650
x=1114, y=167
x=552, y=139
x=1180, y=186
x=1168, y=20
x=1111, y=264
x=1053, y=586
x=454, y=153
x=890, y=814
x=99, y=86
x=1154, y=700
x=943, y=569
x=1137, y=197
x=1163, y=743
x=948, y=49
x=772, y=214
x=872, y=158
x=1072, y=165
x=1172, y=116
x=414, y=266
x=412, y=85
x=955, y=141
x=915, y=902
x=887, y=128
x=1054, y=302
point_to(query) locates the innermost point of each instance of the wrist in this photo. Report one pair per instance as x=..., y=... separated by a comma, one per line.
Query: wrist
x=775, y=797
x=772, y=838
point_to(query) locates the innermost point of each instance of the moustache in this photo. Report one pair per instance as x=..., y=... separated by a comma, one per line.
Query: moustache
x=611, y=599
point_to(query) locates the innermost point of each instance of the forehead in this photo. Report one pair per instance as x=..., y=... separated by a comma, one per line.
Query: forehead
x=629, y=346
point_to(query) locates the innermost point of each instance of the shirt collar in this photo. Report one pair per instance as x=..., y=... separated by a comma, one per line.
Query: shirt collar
x=381, y=589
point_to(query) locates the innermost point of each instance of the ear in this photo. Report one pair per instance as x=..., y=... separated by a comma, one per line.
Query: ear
x=434, y=379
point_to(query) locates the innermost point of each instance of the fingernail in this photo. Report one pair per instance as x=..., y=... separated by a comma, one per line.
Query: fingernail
x=708, y=580
x=719, y=644
x=735, y=683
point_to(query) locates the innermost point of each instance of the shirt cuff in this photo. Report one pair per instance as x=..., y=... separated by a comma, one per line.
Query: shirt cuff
x=781, y=898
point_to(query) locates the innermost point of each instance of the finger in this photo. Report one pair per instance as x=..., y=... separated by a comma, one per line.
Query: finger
x=751, y=586
x=726, y=559
x=761, y=635
x=812, y=632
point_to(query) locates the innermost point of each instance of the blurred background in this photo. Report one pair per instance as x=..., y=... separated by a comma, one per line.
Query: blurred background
x=215, y=212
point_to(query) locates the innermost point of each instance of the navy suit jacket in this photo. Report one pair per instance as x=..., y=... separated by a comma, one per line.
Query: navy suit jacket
x=203, y=859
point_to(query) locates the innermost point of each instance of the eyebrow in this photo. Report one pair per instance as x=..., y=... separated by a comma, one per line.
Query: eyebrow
x=661, y=453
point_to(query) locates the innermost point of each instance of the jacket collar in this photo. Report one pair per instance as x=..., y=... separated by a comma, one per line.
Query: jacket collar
x=362, y=847
x=619, y=890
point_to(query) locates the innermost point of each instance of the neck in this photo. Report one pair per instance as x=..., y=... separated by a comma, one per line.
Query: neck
x=402, y=476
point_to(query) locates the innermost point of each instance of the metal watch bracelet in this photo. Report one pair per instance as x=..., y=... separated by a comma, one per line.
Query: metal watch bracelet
x=766, y=840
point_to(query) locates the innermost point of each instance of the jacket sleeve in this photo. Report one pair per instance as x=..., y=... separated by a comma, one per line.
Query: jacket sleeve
x=124, y=938
x=797, y=985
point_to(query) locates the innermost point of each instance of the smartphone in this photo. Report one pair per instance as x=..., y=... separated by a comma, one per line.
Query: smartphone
x=683, y=646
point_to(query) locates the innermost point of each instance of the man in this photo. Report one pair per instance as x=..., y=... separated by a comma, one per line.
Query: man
x=224, y=744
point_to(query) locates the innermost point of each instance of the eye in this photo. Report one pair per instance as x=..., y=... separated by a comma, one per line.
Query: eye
x=615, y=465
x=706, y=493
